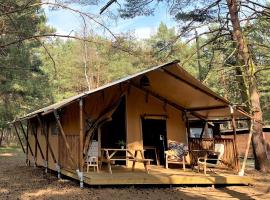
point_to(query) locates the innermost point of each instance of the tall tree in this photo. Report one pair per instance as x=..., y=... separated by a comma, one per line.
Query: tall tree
x=22, y=81
x=250, y=83
x=222, y=18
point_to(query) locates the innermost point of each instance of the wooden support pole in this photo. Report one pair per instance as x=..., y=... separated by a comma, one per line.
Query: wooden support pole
x=58, y=164
x=37, y=144
x=27, y=143
x=33, y=132
x=99, y=141
x=234, y=136
x=185, y=118
x=203, y=129
x=46, y=151
x=26, y=136
x=206, y=130
x=19, y=137
x=48, y=145
x=64, y=138
x=81, y=142
x=242, y=171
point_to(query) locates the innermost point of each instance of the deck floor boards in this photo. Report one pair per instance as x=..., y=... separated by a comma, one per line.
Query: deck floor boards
x=159, y=176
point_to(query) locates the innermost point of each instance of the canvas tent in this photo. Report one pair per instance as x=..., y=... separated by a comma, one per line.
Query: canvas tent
x=58, y=136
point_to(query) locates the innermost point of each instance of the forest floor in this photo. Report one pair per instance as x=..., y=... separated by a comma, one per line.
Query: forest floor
x=20, y=182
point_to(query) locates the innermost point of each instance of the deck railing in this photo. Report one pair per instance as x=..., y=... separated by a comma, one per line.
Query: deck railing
x=229, y=159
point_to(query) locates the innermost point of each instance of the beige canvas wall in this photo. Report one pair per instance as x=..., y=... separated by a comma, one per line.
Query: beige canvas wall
x=138, y=104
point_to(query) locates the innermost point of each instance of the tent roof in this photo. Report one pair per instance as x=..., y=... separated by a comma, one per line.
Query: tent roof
x=177, y=87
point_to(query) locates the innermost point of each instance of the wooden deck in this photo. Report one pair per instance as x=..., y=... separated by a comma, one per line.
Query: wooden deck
x=160, y=176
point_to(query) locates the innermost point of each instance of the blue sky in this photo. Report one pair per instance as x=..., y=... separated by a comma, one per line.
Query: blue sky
x=66, y=21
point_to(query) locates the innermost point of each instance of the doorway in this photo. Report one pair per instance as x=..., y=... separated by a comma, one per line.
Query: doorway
x=154, y=139
x=113, y=132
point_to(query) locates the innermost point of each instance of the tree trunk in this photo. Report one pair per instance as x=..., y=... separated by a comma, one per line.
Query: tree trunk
x=200, y=76
x=249, y=80
x=1, y=137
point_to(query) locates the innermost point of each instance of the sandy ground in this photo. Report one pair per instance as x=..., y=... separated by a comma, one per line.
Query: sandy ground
x=20, y=182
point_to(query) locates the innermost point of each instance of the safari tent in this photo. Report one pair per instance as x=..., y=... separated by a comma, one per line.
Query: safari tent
x=145, y=111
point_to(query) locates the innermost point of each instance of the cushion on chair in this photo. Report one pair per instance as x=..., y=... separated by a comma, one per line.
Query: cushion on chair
x=177, y=150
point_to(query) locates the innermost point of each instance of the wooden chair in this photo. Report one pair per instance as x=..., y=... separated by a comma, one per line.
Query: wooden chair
x=211, y=160
x=92, y=157
x=177, y=154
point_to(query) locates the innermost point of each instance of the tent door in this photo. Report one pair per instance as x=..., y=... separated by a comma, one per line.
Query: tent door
x=154, y=139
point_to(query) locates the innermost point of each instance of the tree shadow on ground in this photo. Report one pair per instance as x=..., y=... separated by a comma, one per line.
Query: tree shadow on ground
x=236, y=194
x=20, y=182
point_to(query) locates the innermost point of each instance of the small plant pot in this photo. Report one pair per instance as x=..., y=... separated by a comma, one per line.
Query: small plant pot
x=122, y=147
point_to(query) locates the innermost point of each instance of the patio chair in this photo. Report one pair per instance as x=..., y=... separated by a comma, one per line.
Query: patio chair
x=177, y=154
x=212, y=160
x=92, y=157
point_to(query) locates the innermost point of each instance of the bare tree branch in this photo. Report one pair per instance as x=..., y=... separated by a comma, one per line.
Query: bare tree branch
x=107, y=6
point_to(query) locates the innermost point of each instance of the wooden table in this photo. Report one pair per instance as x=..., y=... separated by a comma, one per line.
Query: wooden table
x=109, y=156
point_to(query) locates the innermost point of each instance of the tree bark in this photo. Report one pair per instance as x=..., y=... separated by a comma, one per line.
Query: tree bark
x=250, y=82
x=1, y=137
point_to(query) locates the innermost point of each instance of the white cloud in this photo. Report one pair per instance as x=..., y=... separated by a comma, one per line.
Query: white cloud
x=144, y=32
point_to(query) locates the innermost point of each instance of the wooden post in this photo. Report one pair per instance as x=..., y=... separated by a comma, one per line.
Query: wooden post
x=242, y=171
x=26, y=141
x=45, y=133
x=81, y=143
x=18, y=137
x=99, y=141
x=33, y=132
x=26, y=136
x=27, y=144
x=187, y=124
x=206, y=129
x=47, y=146
x=37, y=145
x=234, y=136
x=64, y=137
x=203, y=130
x=58, y=164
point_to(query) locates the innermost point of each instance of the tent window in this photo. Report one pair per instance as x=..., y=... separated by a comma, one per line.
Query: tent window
x=196, y=133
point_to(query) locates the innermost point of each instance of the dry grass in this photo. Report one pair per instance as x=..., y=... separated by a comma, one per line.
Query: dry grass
x=20, y=182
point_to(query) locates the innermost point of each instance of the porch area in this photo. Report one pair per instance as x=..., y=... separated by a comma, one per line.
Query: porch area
x=158, y=175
